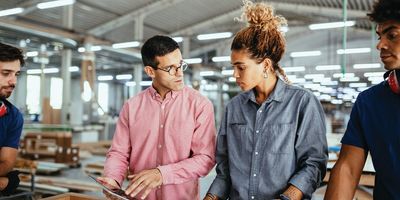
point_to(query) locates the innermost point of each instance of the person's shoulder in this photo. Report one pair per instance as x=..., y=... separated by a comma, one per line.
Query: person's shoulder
x=13, y=111
x=375, y=92
x=293, y=91
x=194, y=95
x=238, y=99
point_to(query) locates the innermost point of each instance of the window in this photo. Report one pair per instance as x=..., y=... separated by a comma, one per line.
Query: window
x=33, y=94
x=56, y=92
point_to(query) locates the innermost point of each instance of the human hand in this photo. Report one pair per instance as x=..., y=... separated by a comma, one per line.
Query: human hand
x=210, y=196
x=145, y=181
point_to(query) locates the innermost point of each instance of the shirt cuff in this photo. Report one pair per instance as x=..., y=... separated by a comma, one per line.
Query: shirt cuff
x=304, y=184
x=166, y=173
x=219, y=188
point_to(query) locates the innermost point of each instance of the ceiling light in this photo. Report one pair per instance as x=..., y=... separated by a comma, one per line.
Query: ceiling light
x=305, y=54
x=327, y=67
x=146, y=83
x=357, y=85
x=32, y=54
x=352, y=51
x=12, y=11
x=105, y=78
x=178, y=39
x=294, y=69
x=313, y=76
x=341, y=75
x=207, y=73
x=331, y=25
x=193, y=60
x=232, y=79
x=213, y=36
x=53, y=4
x=74, y=69
x=284, y=29
x=374, y=74
x=349, y=79
x=227, y=72
x=367, y=66
x=221, y=59
x=124, y=77
x=126, y=45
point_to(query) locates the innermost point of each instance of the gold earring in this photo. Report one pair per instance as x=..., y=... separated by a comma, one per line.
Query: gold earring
x=265, y=74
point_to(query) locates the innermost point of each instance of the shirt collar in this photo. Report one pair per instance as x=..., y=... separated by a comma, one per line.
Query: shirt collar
x=171, y=94
x=276, y=94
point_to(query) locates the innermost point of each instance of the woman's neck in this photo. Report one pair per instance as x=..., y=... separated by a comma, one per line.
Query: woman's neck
x=263, y=90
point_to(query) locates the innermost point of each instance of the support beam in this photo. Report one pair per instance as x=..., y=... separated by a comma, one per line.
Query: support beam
x=124, y=19
x=66, y=58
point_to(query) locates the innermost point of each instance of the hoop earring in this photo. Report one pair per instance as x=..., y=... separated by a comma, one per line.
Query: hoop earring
x=266, y=74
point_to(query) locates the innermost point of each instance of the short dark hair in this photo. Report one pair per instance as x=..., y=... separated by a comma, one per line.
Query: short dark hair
x=384, y=10
x=9, y=53
x=158, y=45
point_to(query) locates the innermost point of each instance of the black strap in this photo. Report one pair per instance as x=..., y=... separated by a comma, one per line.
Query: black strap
x=13, y=183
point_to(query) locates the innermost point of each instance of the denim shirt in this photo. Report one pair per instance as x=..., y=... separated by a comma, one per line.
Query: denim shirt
x=261, y=149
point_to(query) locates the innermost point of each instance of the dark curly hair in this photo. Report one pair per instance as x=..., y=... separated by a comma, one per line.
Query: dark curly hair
x=9, y=53
x=158, y=45
x=385, y=10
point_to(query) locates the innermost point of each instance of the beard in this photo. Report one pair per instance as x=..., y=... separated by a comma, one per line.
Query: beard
x=4, y=94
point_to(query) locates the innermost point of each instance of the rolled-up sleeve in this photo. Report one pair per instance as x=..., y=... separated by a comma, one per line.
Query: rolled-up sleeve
x=311, y=146
x=222, y=183
x=118, y=155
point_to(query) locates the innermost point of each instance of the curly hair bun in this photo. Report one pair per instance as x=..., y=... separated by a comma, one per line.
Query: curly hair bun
x=261, y=15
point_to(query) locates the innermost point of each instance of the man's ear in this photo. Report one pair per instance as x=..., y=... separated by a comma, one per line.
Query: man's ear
x=149, y=71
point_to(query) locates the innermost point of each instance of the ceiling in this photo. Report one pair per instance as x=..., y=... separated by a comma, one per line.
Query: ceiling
x=115, y=21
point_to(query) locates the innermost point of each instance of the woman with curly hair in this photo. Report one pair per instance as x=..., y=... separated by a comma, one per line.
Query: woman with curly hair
x=272, y=142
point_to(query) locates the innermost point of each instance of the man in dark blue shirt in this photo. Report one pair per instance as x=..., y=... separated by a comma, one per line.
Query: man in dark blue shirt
x=11, y=120
x=374, y=124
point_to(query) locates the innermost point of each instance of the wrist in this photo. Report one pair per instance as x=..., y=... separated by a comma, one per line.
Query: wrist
x=283, y=197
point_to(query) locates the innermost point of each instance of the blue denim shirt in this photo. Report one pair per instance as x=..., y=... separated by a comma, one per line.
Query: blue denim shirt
x=263, y=148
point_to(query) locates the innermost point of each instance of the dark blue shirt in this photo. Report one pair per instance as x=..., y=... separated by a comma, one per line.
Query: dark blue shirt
x=261, y=149
x=10, y=126
x=375, y=126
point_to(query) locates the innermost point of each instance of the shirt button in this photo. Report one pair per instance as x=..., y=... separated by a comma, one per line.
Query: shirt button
x=252, y=197
x=256, y=152
x=254, y=174
x=257, y=131
x=162, y=126
x=159, y=146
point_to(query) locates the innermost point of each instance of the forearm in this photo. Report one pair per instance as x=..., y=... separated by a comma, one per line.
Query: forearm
x=210, y=196
x=187, y=169
x=293, y=193
x=5, y=167
x=342, y=184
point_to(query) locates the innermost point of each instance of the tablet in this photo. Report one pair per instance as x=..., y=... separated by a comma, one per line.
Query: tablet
x=118, y=193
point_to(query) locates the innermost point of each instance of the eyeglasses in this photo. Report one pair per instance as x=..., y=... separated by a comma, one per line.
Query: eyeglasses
x=172, y=70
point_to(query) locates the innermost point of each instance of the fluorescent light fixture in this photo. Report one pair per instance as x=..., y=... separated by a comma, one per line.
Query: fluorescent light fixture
x=193, y=60
x=341, y=75
x=305, y=54
x=227, y=72
x=367, y=66
x=207, y=73
x=126, y=45
x=213, y=36
x=294, y=69
x=374, y=74
x=349, y=79
x=374, y=82
x=178, y=39
x=95, y=48
x=12, y=11
x=320, y=80
x=46, y=71
x=74, y=69
x=327, y=67
x=375, y=78
x=284, y=29
x=81, y=49
x=336, y=101
x=124, y=77
x=32, y=54
x=105, y=78
x=146, y=83
x=357, y=85
x=330, y=83
x=53, y=4
x=325, y=97
x=87, y=92
x=353, y=51
x=298, y=80
x=290, y=77
x=313, y=76
x=331, y=25
x=221, y=59
x=130, y=83
x=232, y=79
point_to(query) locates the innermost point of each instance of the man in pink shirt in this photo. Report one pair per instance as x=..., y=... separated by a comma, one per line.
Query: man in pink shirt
x=165, y=135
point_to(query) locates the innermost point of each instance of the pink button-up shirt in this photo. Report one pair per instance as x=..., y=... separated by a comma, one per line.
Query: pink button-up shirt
x=175, y=135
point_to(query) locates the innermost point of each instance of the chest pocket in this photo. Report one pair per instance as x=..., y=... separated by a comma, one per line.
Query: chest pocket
x=280, y=138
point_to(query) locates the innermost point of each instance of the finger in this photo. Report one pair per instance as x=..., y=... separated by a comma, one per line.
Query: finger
x=140, y=188
x=131, y=176
x=146, y=192
x=134, y=184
